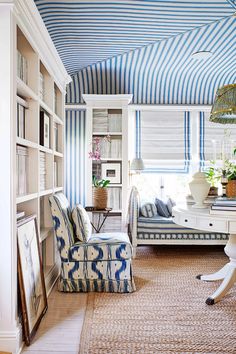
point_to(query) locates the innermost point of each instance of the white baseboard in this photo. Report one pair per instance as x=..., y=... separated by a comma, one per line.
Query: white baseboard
x=11, y=341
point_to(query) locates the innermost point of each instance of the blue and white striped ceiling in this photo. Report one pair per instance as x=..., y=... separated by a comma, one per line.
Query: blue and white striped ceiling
x=144, y=47
x=85, y=32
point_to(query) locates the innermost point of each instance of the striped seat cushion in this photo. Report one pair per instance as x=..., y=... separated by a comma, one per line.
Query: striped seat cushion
x=103, y=246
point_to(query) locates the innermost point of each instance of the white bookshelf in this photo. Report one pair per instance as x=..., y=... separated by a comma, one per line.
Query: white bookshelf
x=22, y=30
x=28, y=93
x=107, y=115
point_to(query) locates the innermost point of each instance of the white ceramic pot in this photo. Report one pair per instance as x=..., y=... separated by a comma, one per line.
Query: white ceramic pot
x=199, y=188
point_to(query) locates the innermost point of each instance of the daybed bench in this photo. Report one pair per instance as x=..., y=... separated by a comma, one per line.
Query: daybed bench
x=157, y=230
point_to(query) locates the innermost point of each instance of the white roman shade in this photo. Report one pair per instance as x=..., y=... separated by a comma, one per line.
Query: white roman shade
x=215, y=139
x=164, y=140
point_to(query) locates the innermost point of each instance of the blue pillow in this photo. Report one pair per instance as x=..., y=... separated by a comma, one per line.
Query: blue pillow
x=162, y=208
x=148, y=210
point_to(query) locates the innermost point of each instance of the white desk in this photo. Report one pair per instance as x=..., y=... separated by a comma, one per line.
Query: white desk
x=202, y=220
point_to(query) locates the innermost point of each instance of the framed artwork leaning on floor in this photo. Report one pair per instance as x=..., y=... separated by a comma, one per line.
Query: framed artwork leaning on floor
x=31, y=279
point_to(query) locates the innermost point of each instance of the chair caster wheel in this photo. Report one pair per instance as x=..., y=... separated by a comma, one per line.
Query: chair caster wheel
x=210, y=301
x=199, y=276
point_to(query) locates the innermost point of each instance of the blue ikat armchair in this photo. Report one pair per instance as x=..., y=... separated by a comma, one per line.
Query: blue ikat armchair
x=102, y=263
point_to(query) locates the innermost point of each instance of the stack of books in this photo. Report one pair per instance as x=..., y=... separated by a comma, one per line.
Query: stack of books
x=114, y=121
x=114, y=198
x=55, y=100
x=55, y=174
x=22, y=67
x=100, y=120
x=21, y=163
x=42, y=167
x=56, y=137
x=224, y=206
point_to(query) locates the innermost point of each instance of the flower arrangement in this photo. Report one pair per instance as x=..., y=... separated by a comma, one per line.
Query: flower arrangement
x=97, y=141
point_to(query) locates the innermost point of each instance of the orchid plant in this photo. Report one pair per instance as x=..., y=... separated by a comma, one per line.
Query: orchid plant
x=97, y=141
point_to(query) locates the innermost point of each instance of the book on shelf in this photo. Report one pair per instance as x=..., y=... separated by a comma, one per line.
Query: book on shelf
x=44, y=129
x=20, y=215
x=22, y=67
x=42, y=170
x=111, y=149
x=20, y=120
x=114, y=198
x=55, y=100
x=55, y=174
x=55, y=136
x=100, y=120
x=114, y=121
x=41, y=86
x=21, y=167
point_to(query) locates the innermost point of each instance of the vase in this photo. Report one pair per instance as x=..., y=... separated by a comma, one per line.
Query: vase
x=199, y=188
x=231, y=189
x=100, y=198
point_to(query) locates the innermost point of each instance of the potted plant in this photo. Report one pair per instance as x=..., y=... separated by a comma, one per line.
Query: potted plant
x=230, y=172
x=213, y=177
x=100, y=192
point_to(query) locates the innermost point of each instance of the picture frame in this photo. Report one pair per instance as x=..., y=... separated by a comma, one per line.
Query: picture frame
x=112, y=171
x=32, y=288
x=44, y=129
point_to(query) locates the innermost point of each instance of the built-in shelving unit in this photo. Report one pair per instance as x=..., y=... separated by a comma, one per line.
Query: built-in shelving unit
x=40, y=117
x=33, y=80
x=107, y=126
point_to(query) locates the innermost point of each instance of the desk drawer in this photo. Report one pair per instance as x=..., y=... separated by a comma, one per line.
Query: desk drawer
x=212, y=225
x=232, y=227
x=187, y=221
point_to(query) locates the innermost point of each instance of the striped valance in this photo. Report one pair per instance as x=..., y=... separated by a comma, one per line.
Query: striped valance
x=163, y=140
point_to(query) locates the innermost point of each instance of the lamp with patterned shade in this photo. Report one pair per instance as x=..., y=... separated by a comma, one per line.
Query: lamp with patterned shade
x=224, y=108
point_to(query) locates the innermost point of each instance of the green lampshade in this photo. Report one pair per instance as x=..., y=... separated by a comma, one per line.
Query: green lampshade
x=224, y=108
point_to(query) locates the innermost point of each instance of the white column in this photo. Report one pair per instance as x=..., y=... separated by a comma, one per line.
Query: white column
x=9, y=330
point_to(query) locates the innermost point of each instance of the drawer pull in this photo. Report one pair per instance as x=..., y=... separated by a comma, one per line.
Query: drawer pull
x=186, y=220
x=210, y=224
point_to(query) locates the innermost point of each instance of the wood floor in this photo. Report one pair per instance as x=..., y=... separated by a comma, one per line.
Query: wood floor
x=60, y=329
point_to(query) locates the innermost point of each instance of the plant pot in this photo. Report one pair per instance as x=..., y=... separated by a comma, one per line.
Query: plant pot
x=231, y=189
x=100, y=198
x=213, y=192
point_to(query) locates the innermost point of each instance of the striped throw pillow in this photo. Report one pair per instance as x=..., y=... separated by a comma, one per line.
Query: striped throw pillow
x=162, y=208
x=83, y=227
x=148, y=210
x=170, y=203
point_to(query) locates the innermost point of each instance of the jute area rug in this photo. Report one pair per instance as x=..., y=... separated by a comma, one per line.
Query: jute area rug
x=167, y=313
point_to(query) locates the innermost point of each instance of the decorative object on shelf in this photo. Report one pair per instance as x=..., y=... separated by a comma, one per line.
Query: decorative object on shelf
x=224, y=108
x=22, y=67
x=21, y=118
x=44, y=129
x=97, y=141
x=112, y=171
x=100, y=193
x=223, y=181
x=31, y=279
x=199, y=188
x=137, y=164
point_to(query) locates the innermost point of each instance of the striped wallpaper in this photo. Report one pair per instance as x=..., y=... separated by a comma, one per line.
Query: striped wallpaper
x=89, y=31
x=165, y=72
x=75, y=157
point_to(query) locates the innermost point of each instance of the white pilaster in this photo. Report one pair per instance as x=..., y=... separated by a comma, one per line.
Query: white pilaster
x=9, y=329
